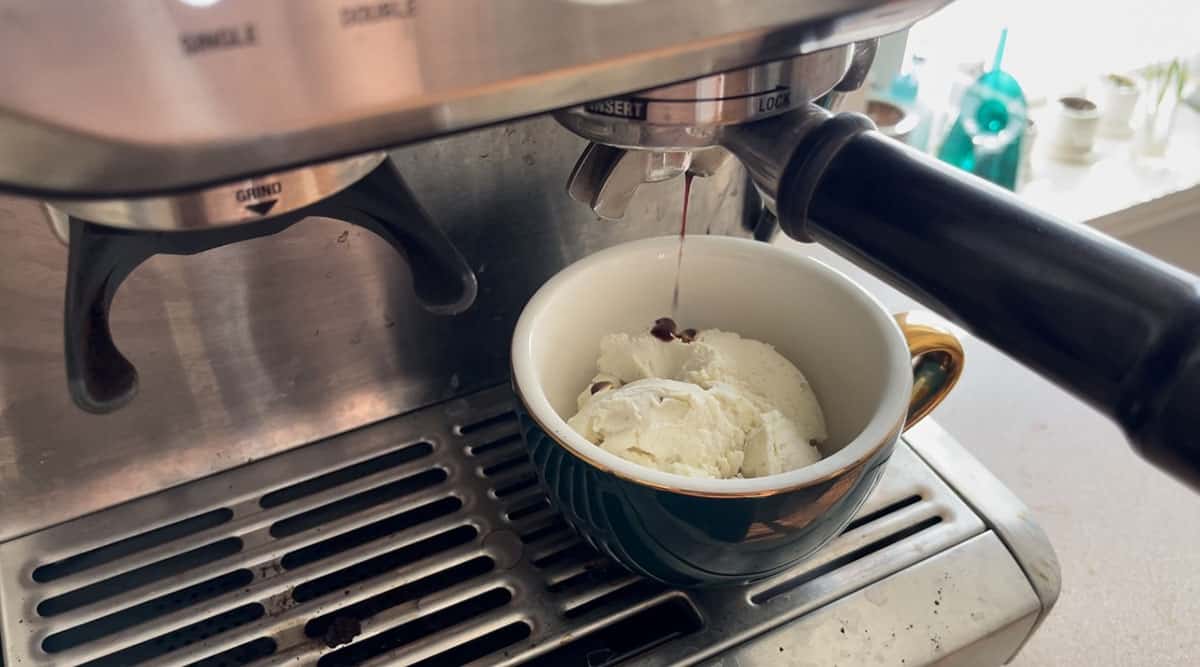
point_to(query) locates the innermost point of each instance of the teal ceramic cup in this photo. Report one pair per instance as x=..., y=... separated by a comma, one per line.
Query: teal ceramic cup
x=874, y=375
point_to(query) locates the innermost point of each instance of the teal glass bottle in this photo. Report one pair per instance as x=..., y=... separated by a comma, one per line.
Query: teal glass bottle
x=986, y=138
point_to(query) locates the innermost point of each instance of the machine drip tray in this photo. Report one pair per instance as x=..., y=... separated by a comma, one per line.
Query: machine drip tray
x=425, y=540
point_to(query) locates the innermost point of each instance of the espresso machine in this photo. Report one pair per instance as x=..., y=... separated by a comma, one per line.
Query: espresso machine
x=262, y=261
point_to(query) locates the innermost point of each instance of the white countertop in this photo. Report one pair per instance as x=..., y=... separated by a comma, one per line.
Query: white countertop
x=1127, y=536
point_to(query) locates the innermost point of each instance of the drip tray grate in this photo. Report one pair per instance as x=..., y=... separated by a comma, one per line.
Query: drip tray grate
x=422, y=540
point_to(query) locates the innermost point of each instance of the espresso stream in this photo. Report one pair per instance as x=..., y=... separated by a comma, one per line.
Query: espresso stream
x=687, y=191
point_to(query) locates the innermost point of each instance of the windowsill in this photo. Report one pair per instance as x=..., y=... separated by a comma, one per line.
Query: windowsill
x=1116, y=192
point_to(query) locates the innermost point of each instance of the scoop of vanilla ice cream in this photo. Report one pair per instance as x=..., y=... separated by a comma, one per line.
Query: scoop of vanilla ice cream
x=719, y=406
x=628, y=358
x=665, y=424
x=761, y=372
x=778, y=445
x=603, y=382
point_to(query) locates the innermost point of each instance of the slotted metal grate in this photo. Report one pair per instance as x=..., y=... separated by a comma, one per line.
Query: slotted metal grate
x=423, y=540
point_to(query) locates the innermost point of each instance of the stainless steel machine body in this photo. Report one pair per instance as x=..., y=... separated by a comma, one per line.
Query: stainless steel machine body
x=183, y=93
x=268, y=366
x=240, y=366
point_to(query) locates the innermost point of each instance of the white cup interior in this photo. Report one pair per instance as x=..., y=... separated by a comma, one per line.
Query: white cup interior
x=840, y=337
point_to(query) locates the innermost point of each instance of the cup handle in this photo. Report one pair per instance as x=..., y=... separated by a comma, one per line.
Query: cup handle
x=937, y=361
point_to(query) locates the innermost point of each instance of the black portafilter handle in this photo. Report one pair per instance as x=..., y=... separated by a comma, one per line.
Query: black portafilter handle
x=101, y=379
x=1112, y=325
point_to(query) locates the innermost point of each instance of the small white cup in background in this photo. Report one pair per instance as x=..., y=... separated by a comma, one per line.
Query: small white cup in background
x=1077, y=120
x=1118, y=98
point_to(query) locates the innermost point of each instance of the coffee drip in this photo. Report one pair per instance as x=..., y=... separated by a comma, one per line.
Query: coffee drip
x=687, y=192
